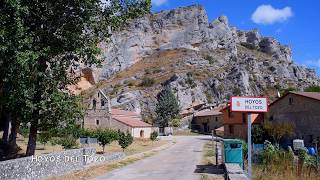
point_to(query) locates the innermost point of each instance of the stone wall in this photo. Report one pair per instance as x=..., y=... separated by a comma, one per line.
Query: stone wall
x=40, y=166
x=303, y=112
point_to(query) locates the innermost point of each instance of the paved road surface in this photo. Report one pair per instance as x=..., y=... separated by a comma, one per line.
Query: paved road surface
x=177, y=162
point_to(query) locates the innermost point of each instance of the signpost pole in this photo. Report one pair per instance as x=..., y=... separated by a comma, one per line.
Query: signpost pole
x=249, y=147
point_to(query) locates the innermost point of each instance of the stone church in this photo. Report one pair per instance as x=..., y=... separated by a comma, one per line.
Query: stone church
x=100, y=115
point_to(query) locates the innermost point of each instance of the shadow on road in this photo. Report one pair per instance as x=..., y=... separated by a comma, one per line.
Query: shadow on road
x=209, y=169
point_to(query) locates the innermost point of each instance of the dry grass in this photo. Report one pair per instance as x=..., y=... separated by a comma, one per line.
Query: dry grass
x=138, y=150
x=211, y=171
x=138, y=145
x=208, y=154
x=40, y=149
x=185, y=132
x=280, y=172
x=161, y=60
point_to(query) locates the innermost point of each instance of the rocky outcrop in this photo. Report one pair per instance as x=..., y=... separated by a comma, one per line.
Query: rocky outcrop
x=203, y=62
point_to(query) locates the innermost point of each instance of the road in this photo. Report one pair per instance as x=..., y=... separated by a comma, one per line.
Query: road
x=177, y=162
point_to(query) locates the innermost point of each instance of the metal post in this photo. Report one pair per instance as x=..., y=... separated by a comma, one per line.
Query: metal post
x=249, y=148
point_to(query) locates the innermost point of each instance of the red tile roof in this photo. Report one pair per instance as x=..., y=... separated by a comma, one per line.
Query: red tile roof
x=129, y=118
x=130, y=121
x=312, y=95
x=208, y=113
x=119, y=112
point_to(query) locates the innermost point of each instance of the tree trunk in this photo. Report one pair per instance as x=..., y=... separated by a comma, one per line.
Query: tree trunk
x=32, y=139
x=6, y=128
x=13, y=134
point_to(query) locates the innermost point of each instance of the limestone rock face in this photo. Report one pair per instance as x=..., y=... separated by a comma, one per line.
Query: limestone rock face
x=203, y=62
x=185, y=27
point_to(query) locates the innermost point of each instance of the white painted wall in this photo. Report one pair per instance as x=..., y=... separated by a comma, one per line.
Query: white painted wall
x=147, y=132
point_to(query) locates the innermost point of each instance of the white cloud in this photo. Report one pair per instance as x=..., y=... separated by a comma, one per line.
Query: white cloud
x=266, y=14
x=313, y=63
x=159, y=2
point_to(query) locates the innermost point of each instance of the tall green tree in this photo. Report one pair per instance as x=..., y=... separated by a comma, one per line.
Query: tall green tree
x=167, y=107
x=42, y=43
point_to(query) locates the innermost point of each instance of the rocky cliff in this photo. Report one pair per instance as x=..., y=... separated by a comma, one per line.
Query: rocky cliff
x=204, y=62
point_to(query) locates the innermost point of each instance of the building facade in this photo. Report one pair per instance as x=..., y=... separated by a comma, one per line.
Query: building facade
x=207, y=121
x=100, y=115
x=302, y=109
x=235, y=123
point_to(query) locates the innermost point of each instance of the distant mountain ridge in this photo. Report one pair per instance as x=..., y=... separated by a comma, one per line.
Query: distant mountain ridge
x=203, y=62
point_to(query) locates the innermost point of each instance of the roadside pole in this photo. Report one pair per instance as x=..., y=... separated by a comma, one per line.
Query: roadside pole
x=249, y=148
x=249, y=104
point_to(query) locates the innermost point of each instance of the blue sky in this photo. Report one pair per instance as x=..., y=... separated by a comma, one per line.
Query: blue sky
x=293, y=22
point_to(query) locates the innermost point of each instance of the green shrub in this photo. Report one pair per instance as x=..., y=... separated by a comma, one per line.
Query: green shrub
x=130, y=82
x=69, y=142
x=44, y=138
x=106, y=136
x=147, y=82
x=88, y=133
x=191, y=82
x=176, y=122
x=312, y=89
x=153, y=135
x=209, y=58
x=258, y=134
x=24, y=131
x=125, y=139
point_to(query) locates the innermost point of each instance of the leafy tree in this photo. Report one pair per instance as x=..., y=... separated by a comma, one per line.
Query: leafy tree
x=258, y=134
x=41, y=46
x=312, y=89
x=153, y=135
x=44, y=138
x=167, y=107
x=106, y=136
x=278, y=129
x=125, y=139
x=68, y=142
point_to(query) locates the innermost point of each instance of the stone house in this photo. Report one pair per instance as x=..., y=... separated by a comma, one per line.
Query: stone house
x=206, y=121
x=100, y=115
x=235, y=123
x=303, y=110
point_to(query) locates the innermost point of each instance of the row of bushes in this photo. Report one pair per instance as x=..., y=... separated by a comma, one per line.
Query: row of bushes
x=275, y=160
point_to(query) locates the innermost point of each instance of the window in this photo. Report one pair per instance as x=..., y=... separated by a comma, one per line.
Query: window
x=94, y=104
x=102, y=103
x=290, y=101
x=244, y=119
x=231, y=129
x=97, y=122
x=216, y=119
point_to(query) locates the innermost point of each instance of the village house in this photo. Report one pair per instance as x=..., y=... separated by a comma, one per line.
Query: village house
x=235, y=123
x=302, y=109
x=206, y=121
x=101, y=115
